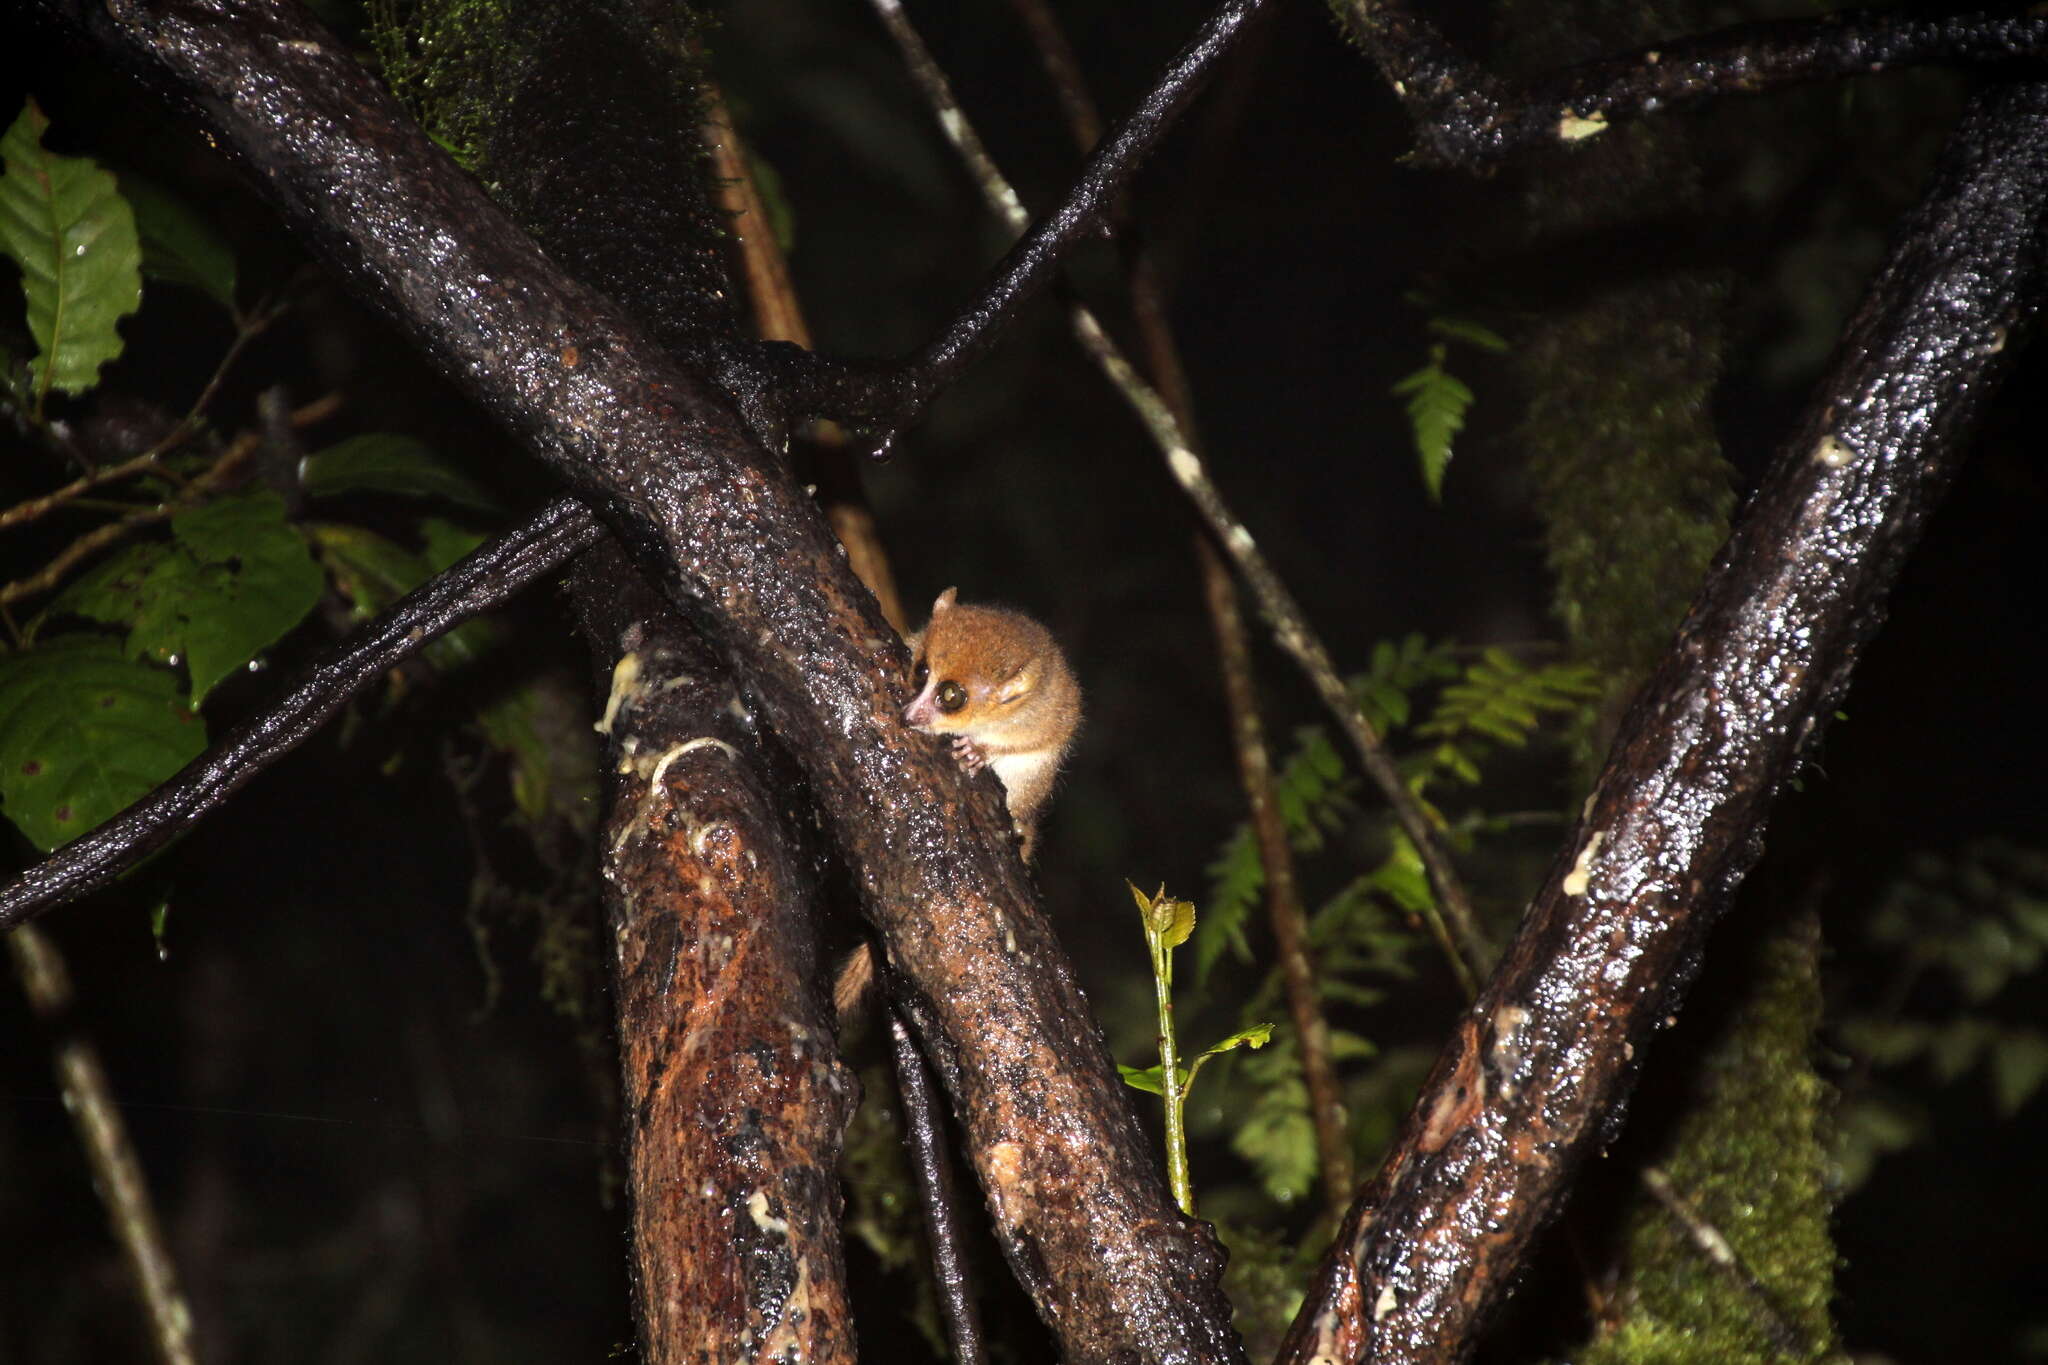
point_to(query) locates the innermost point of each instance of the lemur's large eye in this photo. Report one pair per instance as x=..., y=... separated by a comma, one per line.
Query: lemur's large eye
x=952, y=696
x=919, y=674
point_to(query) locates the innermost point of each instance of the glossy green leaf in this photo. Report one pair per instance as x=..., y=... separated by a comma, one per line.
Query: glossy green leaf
x=234, y=578
x=178, y=245
x=1146, y=1078
x=64, y=222
x=1257, y=1036
x=85, y=729
x=383, y=462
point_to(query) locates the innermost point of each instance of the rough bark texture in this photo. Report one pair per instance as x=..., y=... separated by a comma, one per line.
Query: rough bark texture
x=587, y=119
x=1080, y=1209
x=1538, y=1072
x=735, y=1099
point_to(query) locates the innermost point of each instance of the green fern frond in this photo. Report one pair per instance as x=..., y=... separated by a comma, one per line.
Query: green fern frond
x=1501, y=700
x=1438, y=399
x=1235, y=880
x=1471, y=333
x=1398, y=670
x=1437, y=402
x=1313, y=795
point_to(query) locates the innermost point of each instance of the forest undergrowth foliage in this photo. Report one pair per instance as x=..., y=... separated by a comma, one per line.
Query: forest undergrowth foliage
x=156, y=556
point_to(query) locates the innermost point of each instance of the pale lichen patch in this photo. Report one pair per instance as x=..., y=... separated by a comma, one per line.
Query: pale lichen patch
x=1576, y=880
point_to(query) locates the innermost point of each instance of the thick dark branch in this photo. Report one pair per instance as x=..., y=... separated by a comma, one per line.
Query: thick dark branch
x=1540, y=1069
x=491, y=576
x=1078, y=1204
x=1468, y=118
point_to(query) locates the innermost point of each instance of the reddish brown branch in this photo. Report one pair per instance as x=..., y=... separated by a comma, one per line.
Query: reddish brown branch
x=1540, y=1068
x=734, y=1095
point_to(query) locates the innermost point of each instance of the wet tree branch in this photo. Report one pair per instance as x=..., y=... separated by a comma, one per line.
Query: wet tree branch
x=492, y=575
x=739, y=546
x=1467, y=117
x=734, y=1095
x=1539, y=1070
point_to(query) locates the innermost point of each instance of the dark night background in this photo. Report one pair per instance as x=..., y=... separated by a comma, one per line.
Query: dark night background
x=359, y=1161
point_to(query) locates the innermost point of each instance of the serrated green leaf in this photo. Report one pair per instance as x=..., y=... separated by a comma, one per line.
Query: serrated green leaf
x=1168, y=920
x=234, y=579
x=64, y=222
x=1255, y=1037
x=178, y=246
x=1176, y=920
x=384, y=462
x=84, y=731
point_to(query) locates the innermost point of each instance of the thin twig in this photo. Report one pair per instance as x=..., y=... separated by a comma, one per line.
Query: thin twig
x=248, y=326
x=1457, y=928
x=1063, y=69
x=1786, y=1334
x=1283, y=897
x=245, y=331
x=1041, y=248
x=1464, y=944
x=97, y=539
x=932, y=1160
x=116, y=1171
x=33, y=508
